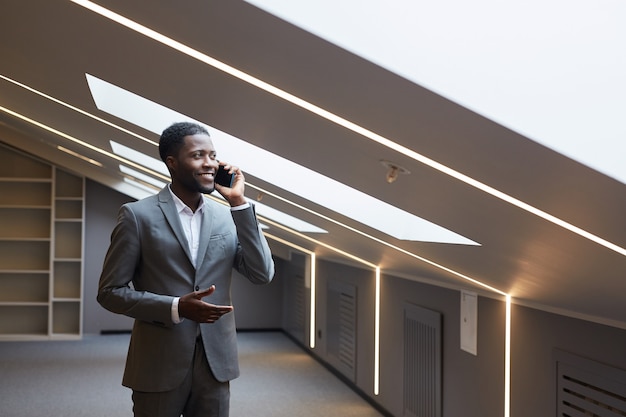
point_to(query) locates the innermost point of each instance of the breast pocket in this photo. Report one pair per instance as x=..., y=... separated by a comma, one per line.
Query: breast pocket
x=221, y=247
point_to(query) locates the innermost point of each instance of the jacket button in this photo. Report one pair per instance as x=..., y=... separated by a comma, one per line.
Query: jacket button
x=197, y=288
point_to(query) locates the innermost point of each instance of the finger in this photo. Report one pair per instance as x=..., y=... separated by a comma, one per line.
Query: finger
x=227, y=167
x=206, y=292
x=218, y=311
x=215, y=316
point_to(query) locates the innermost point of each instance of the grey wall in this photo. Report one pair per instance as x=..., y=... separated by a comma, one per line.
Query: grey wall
x=472, y=385
x=257, y=306
x=536, y=335
x=364, y=281
x=101, y=207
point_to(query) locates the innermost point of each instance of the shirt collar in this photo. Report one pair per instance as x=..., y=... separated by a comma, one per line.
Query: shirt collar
x=180, y=206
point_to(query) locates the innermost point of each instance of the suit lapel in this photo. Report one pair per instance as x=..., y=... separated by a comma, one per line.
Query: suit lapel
x=166, y=203
x=205, y=231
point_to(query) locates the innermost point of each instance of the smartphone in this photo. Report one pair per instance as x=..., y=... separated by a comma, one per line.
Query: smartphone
x=222, y=177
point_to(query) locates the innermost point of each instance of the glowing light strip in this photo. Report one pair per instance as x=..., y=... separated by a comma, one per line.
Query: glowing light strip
x=340, y=121
x=312, y=325
x=377, y=335
x=312, y=259
x=376, y=301
x=507, y=359
x=79, y=156
x=317, y=242
x=80, y=142
x=76, y=109
x=382, y=242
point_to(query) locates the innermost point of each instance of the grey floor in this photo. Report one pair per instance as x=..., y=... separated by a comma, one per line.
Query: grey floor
x=82, y=378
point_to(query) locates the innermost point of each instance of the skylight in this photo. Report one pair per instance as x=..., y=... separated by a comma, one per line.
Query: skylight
x=550, y=70
x=287, y=175
x=139, y=157
x=136, y=174
x=157, y=165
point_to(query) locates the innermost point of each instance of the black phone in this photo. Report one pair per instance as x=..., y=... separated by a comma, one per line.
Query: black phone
x=222, y=177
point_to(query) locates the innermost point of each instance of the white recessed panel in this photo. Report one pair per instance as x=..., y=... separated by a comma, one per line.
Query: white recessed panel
x=469, y=322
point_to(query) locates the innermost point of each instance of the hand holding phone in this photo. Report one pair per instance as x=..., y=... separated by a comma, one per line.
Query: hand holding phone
x=222, y=177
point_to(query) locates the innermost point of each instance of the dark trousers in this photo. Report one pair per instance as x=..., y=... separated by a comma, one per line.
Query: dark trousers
x=200, y=394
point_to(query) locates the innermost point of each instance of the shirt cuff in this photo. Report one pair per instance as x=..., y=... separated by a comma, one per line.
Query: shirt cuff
x=241, y=207
x=175, y=316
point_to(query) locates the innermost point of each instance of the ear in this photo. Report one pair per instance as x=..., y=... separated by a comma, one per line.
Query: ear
x=170, y=162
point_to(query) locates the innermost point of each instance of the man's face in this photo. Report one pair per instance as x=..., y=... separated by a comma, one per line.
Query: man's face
x=195, y=165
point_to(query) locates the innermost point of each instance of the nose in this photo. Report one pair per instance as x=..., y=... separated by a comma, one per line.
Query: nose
x=210, y=162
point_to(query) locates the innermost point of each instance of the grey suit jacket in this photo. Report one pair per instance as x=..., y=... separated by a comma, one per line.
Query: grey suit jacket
x=148, y=264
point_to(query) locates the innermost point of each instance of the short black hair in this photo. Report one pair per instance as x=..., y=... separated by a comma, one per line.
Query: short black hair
x=172, y=138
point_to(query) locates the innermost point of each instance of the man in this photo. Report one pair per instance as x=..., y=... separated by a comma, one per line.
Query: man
x=167, y=253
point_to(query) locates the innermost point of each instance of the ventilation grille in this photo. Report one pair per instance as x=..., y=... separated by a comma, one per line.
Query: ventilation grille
x=422, y=362
x=341, y=327
x=295, y=307
x=588, y=388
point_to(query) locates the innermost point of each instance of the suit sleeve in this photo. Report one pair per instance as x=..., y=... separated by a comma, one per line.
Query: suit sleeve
x=254, y=258
x=121, y=263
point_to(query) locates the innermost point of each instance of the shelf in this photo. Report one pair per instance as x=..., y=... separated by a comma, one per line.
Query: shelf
x=66, y=317
x=41, y=249
x=24, y=223
x=24, y=255
x=24, y=288
x=68, y=185
x=68, y=240
x=26, y=180
x=30, y=194
x=66, y=278
x=24, y=320
x=68, y=209
x=17, y=164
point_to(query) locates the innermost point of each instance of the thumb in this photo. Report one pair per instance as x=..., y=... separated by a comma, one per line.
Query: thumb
x=206, y=292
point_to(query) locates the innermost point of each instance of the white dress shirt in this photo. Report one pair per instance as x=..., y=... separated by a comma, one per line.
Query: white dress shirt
x=191, y=222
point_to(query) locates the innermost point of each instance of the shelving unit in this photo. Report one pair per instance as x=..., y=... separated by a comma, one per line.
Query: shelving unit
x=41, y=249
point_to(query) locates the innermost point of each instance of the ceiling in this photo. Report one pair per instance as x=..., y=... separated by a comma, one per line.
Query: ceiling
x=50, y=46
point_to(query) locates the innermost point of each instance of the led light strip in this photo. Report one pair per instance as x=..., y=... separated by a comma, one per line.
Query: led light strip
x=317, y=242
x=377, y=335
x=82, y=143
x=507, y=358
x=382, y=242
x=76, y=109
x=312, y=318
x=312, y=260
x=340, y=121
x=79, y=156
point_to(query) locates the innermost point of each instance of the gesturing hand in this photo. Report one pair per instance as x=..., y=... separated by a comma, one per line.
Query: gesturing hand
x=191, y=306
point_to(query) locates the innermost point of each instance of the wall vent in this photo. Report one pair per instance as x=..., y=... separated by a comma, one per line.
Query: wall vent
x=588, y=388
x=295, y=305
x=422, y=362
x=341, y=327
